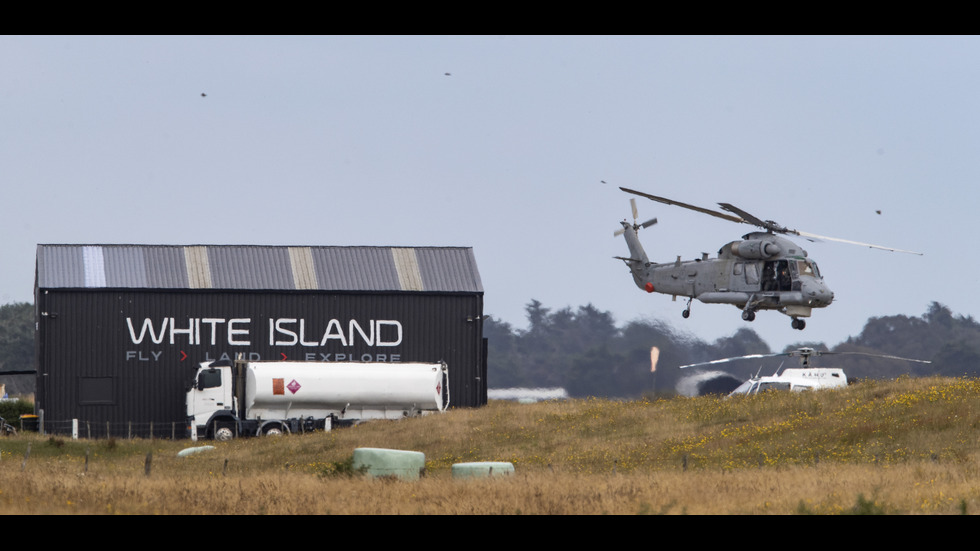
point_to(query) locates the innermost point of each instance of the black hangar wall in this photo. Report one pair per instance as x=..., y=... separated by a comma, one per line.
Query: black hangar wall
x=121, y=328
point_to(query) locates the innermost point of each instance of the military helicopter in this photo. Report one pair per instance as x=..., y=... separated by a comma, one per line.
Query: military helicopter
x=805, y=377
x=762, y=271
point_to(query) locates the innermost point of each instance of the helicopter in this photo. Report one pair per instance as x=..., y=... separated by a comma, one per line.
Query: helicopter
x=762, y=271
x=805, y=377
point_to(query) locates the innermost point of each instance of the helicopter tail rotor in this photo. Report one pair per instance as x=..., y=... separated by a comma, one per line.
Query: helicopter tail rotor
x=636, y=226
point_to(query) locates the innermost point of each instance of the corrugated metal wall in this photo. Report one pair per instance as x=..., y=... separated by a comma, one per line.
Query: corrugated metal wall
x=429, y=269
x=115, y=357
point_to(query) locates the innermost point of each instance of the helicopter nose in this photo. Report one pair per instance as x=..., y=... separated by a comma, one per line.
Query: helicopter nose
x=825, y=296
x=820, y=295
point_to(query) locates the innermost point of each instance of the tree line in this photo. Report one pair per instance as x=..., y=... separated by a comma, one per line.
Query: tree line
x=583, y=351
x=17, y=346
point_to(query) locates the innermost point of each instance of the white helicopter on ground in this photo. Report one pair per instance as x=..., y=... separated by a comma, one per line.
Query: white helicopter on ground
x=801, y=378
x=762, y=271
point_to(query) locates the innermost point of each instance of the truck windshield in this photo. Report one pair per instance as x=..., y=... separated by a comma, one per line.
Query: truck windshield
x=209, y=378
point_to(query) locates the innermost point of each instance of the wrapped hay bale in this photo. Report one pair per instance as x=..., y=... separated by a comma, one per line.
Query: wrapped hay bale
x=407, y=465
x=482, y=469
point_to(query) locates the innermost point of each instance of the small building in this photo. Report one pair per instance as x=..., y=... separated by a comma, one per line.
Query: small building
x=121, y=328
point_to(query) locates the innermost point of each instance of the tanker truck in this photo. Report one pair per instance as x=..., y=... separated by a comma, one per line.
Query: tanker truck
x=251, y=398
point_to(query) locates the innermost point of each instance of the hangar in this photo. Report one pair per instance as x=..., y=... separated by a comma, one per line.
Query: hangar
x=121, y=328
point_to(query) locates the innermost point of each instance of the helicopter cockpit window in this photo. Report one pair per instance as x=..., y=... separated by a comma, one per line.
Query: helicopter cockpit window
x=773, y=386
x=744, y=388
x=803, y=267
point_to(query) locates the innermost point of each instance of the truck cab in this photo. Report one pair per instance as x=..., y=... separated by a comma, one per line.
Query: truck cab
x=211, y=402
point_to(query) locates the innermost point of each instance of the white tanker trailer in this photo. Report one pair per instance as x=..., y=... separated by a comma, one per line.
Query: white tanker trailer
x=247, y=398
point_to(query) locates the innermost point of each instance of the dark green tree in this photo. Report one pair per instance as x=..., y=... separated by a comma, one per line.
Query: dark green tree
x=584, y=352
x=17, y=346
x=937, y=335
x=956, y=359
x=603, y=373
x=504, y=367
x=744, y=341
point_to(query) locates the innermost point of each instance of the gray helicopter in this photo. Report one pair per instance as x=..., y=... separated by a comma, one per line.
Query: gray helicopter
x=762, y=271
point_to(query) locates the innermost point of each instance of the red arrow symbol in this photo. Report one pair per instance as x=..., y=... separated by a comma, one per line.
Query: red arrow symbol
x=183, y=355
x=283, y=355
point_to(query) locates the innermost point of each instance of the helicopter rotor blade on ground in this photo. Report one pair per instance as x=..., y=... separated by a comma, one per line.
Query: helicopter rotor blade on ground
x=805, y=353
x=877, y=356
x=726, y=360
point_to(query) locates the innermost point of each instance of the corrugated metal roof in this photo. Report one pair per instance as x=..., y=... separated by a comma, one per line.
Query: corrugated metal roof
x=258, y=267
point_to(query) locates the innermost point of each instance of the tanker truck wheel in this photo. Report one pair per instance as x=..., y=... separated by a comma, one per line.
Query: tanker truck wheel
x=273, y=430
x=223, y=433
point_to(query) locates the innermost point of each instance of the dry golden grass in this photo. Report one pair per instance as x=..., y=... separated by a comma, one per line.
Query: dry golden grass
x=907, y=447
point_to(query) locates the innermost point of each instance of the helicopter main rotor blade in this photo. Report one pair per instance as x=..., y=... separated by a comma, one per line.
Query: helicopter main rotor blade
x=879, y=356
x=750, y=219
x=769, y=225
x=815, y=236
x=726, y=360
x=775, y=227
x=666, y=201
x=805, y=354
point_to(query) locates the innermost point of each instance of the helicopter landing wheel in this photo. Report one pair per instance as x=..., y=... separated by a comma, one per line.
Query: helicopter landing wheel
x=687, y=311
x=748, y=315
x=798, y=324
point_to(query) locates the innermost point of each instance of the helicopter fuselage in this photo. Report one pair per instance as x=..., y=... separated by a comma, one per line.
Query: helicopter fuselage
x=762, y=271
x=795, y=379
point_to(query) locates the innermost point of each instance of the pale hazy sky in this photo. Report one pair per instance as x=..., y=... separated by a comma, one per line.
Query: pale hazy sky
x=501, y=143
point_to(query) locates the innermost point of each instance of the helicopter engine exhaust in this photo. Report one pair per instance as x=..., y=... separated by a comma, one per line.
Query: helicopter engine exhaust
x=706, y=383
x=755, y=249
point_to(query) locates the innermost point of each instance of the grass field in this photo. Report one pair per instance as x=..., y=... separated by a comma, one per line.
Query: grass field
x=908, y=446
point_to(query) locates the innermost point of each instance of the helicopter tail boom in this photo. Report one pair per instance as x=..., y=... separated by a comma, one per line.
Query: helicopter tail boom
x=637, y=254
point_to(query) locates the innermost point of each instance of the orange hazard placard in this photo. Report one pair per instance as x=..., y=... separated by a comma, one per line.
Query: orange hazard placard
x=278, y=386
